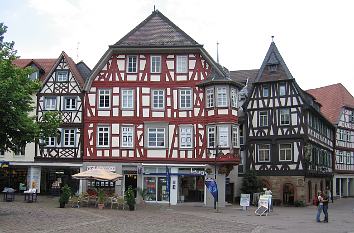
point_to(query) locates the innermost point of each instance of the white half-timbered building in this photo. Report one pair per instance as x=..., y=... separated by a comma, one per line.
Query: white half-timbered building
x=157, y=102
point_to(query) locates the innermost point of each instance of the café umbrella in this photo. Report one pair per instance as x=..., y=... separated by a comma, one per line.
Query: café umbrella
x=97, y=174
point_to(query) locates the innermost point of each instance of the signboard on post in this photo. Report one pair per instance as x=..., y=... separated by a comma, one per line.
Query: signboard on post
x=212, y=187
x=245, y=200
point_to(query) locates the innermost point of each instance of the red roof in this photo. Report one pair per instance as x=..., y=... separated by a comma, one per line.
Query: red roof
x=333, y=98
x=44, y=64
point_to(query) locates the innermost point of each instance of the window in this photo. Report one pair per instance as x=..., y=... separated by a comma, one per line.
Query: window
x=156, y=137
x=351, y=117
x=223, y=136
x=185, y=98
x=70, y=103
x=264, y=153
x=348, y=136
x=340, y=157
x=348, y=158
x=263, y=118
x=272, y=68
x=186, y=137
x=211, y=137
x=62, y=75
x=233, y=98
x=265, y=90
x=158, y=99
x=155, y=64
x=2, y=153
x=104, y=98
x=341, y=135
x=285, y=152
x=221, y=96
x=127, y=136
x=234, y=136
x=20, y=150
x=210, y=97
x=284, y=116
x=127, y=98
x=181, y=64
x=132, y=64
x=103, y=136
x=50, y=103
x=50, y=141
x=69, y=137
x=33, y=76
x=282, y=89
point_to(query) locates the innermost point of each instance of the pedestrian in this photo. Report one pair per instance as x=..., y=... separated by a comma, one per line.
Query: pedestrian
x=325, y=201
x=319, y=207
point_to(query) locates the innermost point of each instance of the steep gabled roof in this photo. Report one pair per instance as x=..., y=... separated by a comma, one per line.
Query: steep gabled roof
x=156, y=30
x=84, y=70
x=333, y=98
x=273, y=57
x=43, y=64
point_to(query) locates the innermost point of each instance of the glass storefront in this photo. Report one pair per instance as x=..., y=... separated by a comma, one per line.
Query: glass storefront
x=156, y=188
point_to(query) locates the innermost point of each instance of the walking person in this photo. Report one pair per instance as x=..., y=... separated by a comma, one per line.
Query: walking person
x=325, y=207
x=319, y=207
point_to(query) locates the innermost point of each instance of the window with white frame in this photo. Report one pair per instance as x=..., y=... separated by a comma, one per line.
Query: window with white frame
x=127, y=98
x=182, y=64
x=282, y=89
x=104, y=98
x=340, y=157
x=158, y=99
x=223, y=131
x=132, y=64
x=186, y=137
x=210, y=97
x=185, y=98
x=285, y=152
x=103, y=134
x=348, y=158
x=348, y=136
x=264, y=153
x=127, y=136
x=20, y=150
x=50, y=103
x=69, y=103
x=69, y=137
x=341, y=135
x=233, y=98
x=211, y=136
x=50, y=141
x=351, y=117
x=221, y=93
x=155, y=64
x=263, y=118
x=234, y=136
x=265, y=90
x=284, y=116
x=62, y=75
x=156, y=137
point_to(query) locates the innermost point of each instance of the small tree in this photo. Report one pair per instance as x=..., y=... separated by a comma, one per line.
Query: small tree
x=250, y=183
x=48, y=126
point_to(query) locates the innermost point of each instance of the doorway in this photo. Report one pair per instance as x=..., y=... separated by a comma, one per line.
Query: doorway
x=130, y=180
x=288, y=194
x=191, y=188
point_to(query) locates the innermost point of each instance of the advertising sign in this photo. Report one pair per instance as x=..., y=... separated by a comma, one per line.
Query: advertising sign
x=212, y=187
x=245, y=199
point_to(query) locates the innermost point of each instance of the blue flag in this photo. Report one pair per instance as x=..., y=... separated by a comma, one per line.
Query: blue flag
x=212, y=187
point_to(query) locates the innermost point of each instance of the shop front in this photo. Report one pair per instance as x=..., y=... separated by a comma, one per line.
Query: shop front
x=13, y=177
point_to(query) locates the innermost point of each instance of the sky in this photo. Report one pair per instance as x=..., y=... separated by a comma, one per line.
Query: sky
x=315, y=38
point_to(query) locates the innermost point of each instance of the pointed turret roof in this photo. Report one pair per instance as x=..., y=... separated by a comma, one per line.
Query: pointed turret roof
x=156, y=31
x=273, y=57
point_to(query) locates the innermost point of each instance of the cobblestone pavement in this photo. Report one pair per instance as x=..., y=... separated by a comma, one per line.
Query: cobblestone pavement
x=45, y=216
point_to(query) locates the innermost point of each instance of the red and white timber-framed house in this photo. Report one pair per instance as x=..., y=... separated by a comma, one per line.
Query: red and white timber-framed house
x=157, y=101
x=59, y=157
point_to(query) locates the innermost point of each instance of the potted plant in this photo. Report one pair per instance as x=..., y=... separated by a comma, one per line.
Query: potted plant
x=64, y=196
x=101, y=198
x=143, y=192
x=130, y=199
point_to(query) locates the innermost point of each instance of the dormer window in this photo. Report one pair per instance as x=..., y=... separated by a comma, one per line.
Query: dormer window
x=33, y=76
x=273, y=68
x=62, y=75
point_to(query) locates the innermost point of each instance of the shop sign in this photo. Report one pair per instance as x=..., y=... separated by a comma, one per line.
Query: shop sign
x=245, y=199
x=198, y=172
x=108, y=168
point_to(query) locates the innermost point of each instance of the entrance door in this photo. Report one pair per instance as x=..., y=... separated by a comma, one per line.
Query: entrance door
x=288, y=194
x=130, y=180
x=191, y=188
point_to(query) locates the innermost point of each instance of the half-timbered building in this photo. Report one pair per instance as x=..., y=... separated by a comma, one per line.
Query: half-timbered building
x=158, y=105
x=60, y=157
x=338, y=106
x=289, y=143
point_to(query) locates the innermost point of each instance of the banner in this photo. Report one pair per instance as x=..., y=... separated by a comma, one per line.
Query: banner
x=212, y=187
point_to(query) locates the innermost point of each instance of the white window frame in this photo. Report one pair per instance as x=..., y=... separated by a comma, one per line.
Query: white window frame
x=287, y=152
x=223, y=136
x=182, y=64
x=348, y=162
x=72, y=103
x=265, y=87
x=283, y=112
x=50, y=103
x=340, y=156
x=263, y=119
x=69, y=137
x=157, y=131
x=235, y=136
x=233, y=94
x=282, y=89
x=62, y=75
x=185, y=98
x=186, y=137
x=209, y=97
x=221, y=97
x=155, y=64
x=50, y=141
x=127, y=136
x=103, y=131
x=105, y=94
x=132, y=64
x=127, y=98
x=160, y=95
x=211, y=130
x=264, y=150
